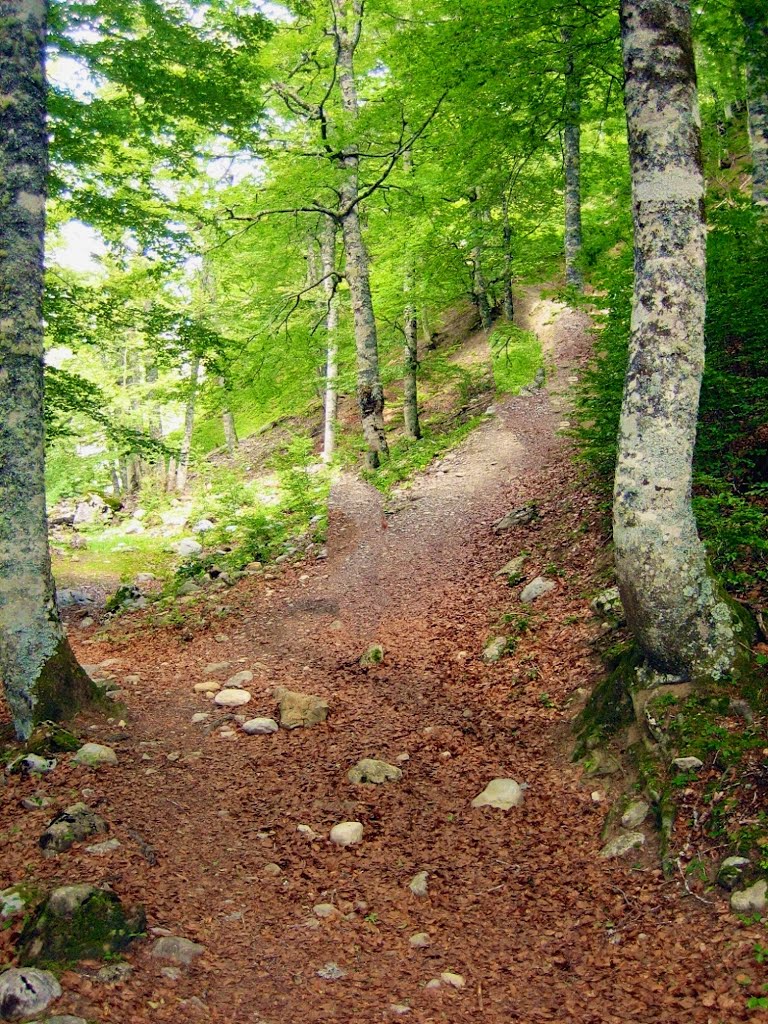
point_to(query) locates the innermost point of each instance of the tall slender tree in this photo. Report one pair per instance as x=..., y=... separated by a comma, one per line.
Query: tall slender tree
x=40, y=674
x=673, y=604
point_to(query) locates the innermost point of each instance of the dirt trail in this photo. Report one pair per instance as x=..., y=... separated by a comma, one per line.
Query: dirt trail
x=519, y=902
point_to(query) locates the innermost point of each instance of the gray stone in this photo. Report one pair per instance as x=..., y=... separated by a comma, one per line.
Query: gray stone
x=376, y=772
x=325, y=910
x=260, y=726
x=199, y=717
x=419, y=884
x=202, y=526
x=347, y=833
x=36, y=803
x=601, y=763
x=174, y=517
x=513, y=568
x=232, y=698
x=16, y=900
x=635, y=814
x=688, y=764
x=142, y=578
x=623, y=844
x=419, y=940
x=26, y=991
x=36, y=765
x=299, y=710
x=454, y=980
x=79, y=922
x=188, y=548
x=95, y=754
x=75, y=823
x=501, y=793
x=535, y=589
x=495, y=649
x=85, y=513
x=209, y=686
x=102, y=849
x=608, y=605
x=518, y=517
x=331, y=972
x=730, y=872
x=188, y=589
x=239, y=679
x=372, y=655
x=133, y=527
x=114, y=973
x=751, y=900
x=216, y=668
x=175, y=948
x=741, y=708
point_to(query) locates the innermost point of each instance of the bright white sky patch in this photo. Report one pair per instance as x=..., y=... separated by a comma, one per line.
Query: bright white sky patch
x=78, y=247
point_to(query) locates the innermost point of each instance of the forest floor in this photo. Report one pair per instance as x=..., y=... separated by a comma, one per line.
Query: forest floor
x=519, y=902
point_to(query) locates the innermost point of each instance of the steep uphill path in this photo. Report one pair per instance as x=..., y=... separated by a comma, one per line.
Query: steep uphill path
x=518, y=903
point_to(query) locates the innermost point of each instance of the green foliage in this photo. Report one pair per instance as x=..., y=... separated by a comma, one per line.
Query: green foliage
x=517, y=357
x=407, y=457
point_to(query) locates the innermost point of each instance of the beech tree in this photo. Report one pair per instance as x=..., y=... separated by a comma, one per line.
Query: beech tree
x=40, y=674
x=673, y=604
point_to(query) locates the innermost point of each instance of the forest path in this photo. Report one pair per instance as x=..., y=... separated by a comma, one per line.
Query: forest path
x=519, y=902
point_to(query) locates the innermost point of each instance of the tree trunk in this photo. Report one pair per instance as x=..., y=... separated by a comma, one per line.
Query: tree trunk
x=370, y=394
x=572, y=169
x=40, y=674
x=328, y=265
x=673, y=605
x=509, y=299
x=410, y=329
x=754, y=18
x=479, y=285
x=182, y=470
x=228, y=420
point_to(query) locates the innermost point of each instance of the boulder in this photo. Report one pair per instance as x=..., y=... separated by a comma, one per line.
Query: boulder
x=347, y=833
x=300, y=710
x=376, y=772
x=75, y=823
x=79, y=922
x=517, y=517
x=501, y=793
x=621, y=845
x=635, y=814
x=178, y=949
x=95, y=754
x=752, y=900
x=730, y=872
x=26, y=991
x=536, y=588
x=232, y=698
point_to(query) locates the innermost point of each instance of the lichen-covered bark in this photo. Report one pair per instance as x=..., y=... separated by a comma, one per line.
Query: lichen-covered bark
x=228, y=420
x=348, y=16
x=673, y=605
x=754, y=15
x=328, y=264
x=479, y=283
x=572, y=171
x=40, y=676
x=410, y=330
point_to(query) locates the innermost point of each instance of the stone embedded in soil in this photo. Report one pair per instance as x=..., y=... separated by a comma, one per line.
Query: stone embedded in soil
x=215, y=668
x=75, y=823
x=608, y=605
x=26, y=991
x=752, y=900
x=399, y=1008
x=514, y=567
x=501, y=793
x=347, y=833
x=331, y=972
x=621, y=845
x=601, y=763
x=635, y=814
x=16, y=900
x=419, y=884
x=209, y=686
x=536, y=588
x=373, y=771
x=419, y=940
x=454, y=980
x=308, y=831
x=232, y=698
x=260, y=726
x=272, y=870
x=300, y=710
x=34, y=764
x=373, y=655
x=325, y=910
x=112, y=974
x=102, y=849
x=79, y=922
x=177, y=949
x=200, y=717
x=517, y=517
x=730, y=872
x=495, y=649
x=688, y=764
x=94, y=754
x=187, y=548
x=239, y=679
x=64, y=1018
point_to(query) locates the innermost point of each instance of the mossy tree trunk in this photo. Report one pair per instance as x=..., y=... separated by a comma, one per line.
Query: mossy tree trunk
x=347, y=28
x=572, y=168
x=673, y=605
x=185, y=452
x=328, y=266
x=40, y=675
x=410, y=330
x=509, y=271
x=754, y=15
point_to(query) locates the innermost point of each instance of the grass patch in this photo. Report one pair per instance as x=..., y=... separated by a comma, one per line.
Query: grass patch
x=407, y=457
x=102, y=559
x=517, y=357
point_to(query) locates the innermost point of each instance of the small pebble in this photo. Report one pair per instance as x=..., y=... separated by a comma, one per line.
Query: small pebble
x=419, y=940
x=418, y=884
